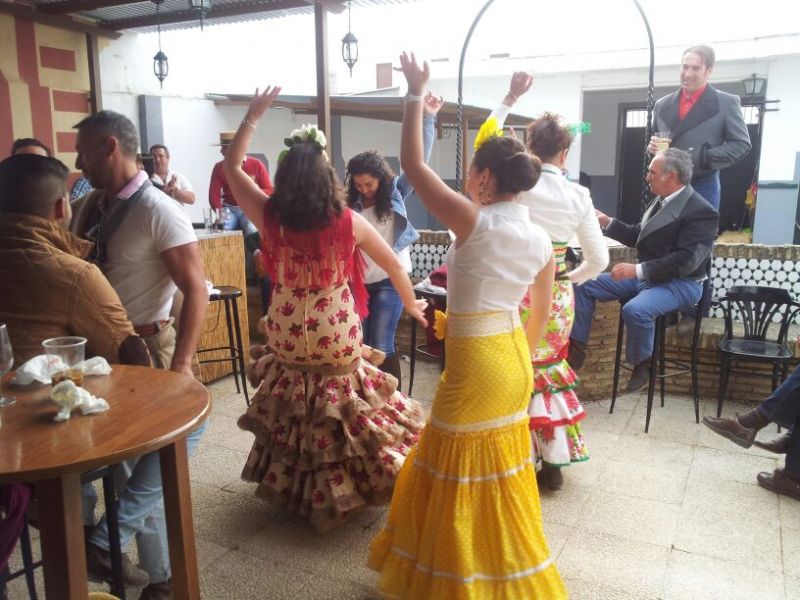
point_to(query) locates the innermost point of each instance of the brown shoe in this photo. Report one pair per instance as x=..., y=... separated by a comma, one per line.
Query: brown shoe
x=98, y=566
x=778, y=445
x=780, y=482
x=158, y=591
x=731, y=429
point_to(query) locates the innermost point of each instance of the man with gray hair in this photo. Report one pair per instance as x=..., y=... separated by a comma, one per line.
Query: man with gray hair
x=147, y=248
x=674, y=243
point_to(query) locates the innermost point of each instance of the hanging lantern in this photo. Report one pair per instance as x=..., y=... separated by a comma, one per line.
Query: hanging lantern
x=349, y=45
x=202, y=7
x=161, y=67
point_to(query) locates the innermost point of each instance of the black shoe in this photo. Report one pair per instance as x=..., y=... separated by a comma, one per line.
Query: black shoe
x=640, y=377
x=576, y=354
x=98, y=566
x=552, y=477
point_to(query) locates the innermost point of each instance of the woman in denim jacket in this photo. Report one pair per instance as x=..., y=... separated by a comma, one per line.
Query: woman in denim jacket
x=379, y=195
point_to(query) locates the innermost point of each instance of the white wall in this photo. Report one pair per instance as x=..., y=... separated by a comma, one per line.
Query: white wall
x=781, y=140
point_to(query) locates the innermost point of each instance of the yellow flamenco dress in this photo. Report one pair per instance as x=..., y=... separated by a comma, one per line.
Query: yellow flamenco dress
x=465, y=520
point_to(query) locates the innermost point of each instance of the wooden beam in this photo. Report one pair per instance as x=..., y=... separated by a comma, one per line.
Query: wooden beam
x=95, y=86
x=27, y=12
x=323, y=90
x=216, y=12
x=70, y=6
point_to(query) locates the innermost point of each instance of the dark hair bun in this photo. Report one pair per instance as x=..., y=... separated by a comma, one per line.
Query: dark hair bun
x=522, y=171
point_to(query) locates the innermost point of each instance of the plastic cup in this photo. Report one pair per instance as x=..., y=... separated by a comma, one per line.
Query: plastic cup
x=65, y=358
x=663, y=140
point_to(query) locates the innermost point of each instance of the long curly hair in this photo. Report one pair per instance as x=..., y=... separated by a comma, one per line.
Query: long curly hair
x=307, y=192
x=547, y=136
x=372, y=163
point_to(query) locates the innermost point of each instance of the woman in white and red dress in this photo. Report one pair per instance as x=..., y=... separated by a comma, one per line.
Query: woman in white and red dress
x=331, y=429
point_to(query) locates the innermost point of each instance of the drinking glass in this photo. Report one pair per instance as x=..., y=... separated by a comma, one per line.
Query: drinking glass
x=663, y=140
x=65, y=358
x=208, y=219
x=6, y=362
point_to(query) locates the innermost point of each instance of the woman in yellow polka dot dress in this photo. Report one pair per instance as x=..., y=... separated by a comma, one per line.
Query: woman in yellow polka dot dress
x=465, y=520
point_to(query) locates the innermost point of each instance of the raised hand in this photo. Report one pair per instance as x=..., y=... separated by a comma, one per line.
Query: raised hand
x=416, y=76
x=431, y=104
x=261, y=102
x=521, y=82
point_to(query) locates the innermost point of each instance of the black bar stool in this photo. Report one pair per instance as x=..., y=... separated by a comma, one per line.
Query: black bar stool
x=438, y=301
x=228, y=295
x=659, y=361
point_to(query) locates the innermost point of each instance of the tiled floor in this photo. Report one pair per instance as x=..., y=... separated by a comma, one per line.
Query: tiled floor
x=674, y=515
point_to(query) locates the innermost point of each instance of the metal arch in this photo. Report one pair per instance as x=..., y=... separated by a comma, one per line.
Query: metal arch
x=650, y=93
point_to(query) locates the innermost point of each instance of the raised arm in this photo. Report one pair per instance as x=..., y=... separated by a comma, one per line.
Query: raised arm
x=451, y=208
x=371, y=242
x=520, y=83
x=431, y=106
x=250, y=198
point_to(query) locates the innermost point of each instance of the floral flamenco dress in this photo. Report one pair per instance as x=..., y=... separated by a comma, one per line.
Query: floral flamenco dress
x=554, y=409
x=465, y=520
x=332, y=430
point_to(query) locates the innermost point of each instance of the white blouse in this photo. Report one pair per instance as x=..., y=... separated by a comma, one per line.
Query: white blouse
x=492, y=269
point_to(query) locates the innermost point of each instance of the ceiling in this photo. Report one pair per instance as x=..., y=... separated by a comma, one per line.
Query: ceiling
x=108, y=17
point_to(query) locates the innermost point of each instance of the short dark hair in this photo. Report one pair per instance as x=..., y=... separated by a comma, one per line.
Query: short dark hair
x=547, y=136
x=372, y=163
x=25, y=142
x=514, y=169
x=156, y=147
x=704, y=52
x=108, y=123
x=31, y=184
x=307, y=192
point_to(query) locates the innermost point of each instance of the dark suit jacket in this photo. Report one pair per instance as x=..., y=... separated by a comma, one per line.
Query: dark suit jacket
x=714, y=129
x=677, y=242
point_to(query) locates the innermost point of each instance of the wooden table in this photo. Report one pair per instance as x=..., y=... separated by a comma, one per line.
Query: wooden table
x=150, y=410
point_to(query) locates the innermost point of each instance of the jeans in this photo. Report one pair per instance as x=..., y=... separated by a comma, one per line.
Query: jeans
x=385, y=308
x=239, y=221
x=141, y=513
x=783, y=407
x=708, y=187
x=645, y=302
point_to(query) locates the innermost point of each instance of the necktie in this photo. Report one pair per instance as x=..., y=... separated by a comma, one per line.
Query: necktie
x=657, y=205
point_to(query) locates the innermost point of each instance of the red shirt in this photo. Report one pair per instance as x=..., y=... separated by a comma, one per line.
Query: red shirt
x=219, y=192
x=688, y=101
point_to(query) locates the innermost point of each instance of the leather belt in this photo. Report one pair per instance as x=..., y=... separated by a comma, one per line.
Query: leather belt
x=149, y=329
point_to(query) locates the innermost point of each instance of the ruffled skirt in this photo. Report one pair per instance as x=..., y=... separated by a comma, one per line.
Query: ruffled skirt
x=465, y=519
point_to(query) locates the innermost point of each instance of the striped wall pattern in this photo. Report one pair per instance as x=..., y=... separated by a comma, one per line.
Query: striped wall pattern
x=44, y=85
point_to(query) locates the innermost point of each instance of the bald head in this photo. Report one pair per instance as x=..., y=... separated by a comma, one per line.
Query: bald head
x=32, y=184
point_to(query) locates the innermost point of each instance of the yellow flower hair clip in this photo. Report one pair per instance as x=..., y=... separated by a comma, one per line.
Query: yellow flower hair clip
x=490, y=128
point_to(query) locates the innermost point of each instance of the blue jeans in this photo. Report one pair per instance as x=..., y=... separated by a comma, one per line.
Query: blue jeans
x=239, y=221
x=644, y=302
x=141, y=512
x=385, y=308
x=708, y=187
x=783, y=407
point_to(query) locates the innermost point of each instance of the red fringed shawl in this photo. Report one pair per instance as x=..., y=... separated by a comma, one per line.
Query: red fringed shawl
x=317, y=259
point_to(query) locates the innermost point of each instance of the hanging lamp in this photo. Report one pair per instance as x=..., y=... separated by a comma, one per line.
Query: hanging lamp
x=349, y=45
x=160, y=60
x=202, y=7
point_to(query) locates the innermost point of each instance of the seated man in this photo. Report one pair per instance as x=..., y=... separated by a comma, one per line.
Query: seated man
x=674, y=243
x=50, y=291
x=781, y=407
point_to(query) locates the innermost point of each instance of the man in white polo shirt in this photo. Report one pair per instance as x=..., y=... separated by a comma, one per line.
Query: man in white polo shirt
x=172, y=183
x=148, y=250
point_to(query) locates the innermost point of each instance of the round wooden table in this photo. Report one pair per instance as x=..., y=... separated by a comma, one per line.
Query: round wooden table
x=151, y=409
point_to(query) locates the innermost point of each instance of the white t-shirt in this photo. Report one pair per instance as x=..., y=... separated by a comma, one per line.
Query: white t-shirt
x=492, y=269
x=180, y=181
x=373, y=272
x=133, y=262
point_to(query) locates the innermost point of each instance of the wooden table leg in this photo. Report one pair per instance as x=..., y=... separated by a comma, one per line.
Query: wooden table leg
x=180, y=527
x=61, y=526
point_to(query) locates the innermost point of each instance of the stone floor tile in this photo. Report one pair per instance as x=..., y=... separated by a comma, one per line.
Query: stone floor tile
x=698, y=577
x=227, y=519
x=216, y=465
x=208, y=552
x=585, y=474
x=340, y=588
x=664, y=427
x=789, y=512
x=791, y=550
x=631, y=518
x=223, y=431
x=652, y=450
x=225, y=400
x=705, y=492
x=617, y=563
x=238, y=576
x=580, y=589
x=730, y=466
x=609, y=423
x=676, y=406
x=792, y=586
x=565, y=506
x=650, y=482
x=557, y=536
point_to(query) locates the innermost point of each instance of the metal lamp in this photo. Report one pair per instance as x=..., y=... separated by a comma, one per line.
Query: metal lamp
x=202, y=7
x=754, y=85
x=349, y=45
x=160, y=60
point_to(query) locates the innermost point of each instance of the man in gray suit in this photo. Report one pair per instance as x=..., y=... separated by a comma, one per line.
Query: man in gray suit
x=704, y=121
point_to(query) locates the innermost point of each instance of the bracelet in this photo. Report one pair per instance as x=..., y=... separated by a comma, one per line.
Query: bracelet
x=249, y=124
x=412, y=98
x=513, y=95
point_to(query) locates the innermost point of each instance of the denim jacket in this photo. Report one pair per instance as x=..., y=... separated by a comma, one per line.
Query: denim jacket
x=404, y=232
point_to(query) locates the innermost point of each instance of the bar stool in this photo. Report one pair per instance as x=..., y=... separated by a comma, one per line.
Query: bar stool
x=437, y=300
x=228, y=295
x=659, y=361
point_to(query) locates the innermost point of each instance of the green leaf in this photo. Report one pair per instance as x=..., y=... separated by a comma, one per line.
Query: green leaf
x=288, y=142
